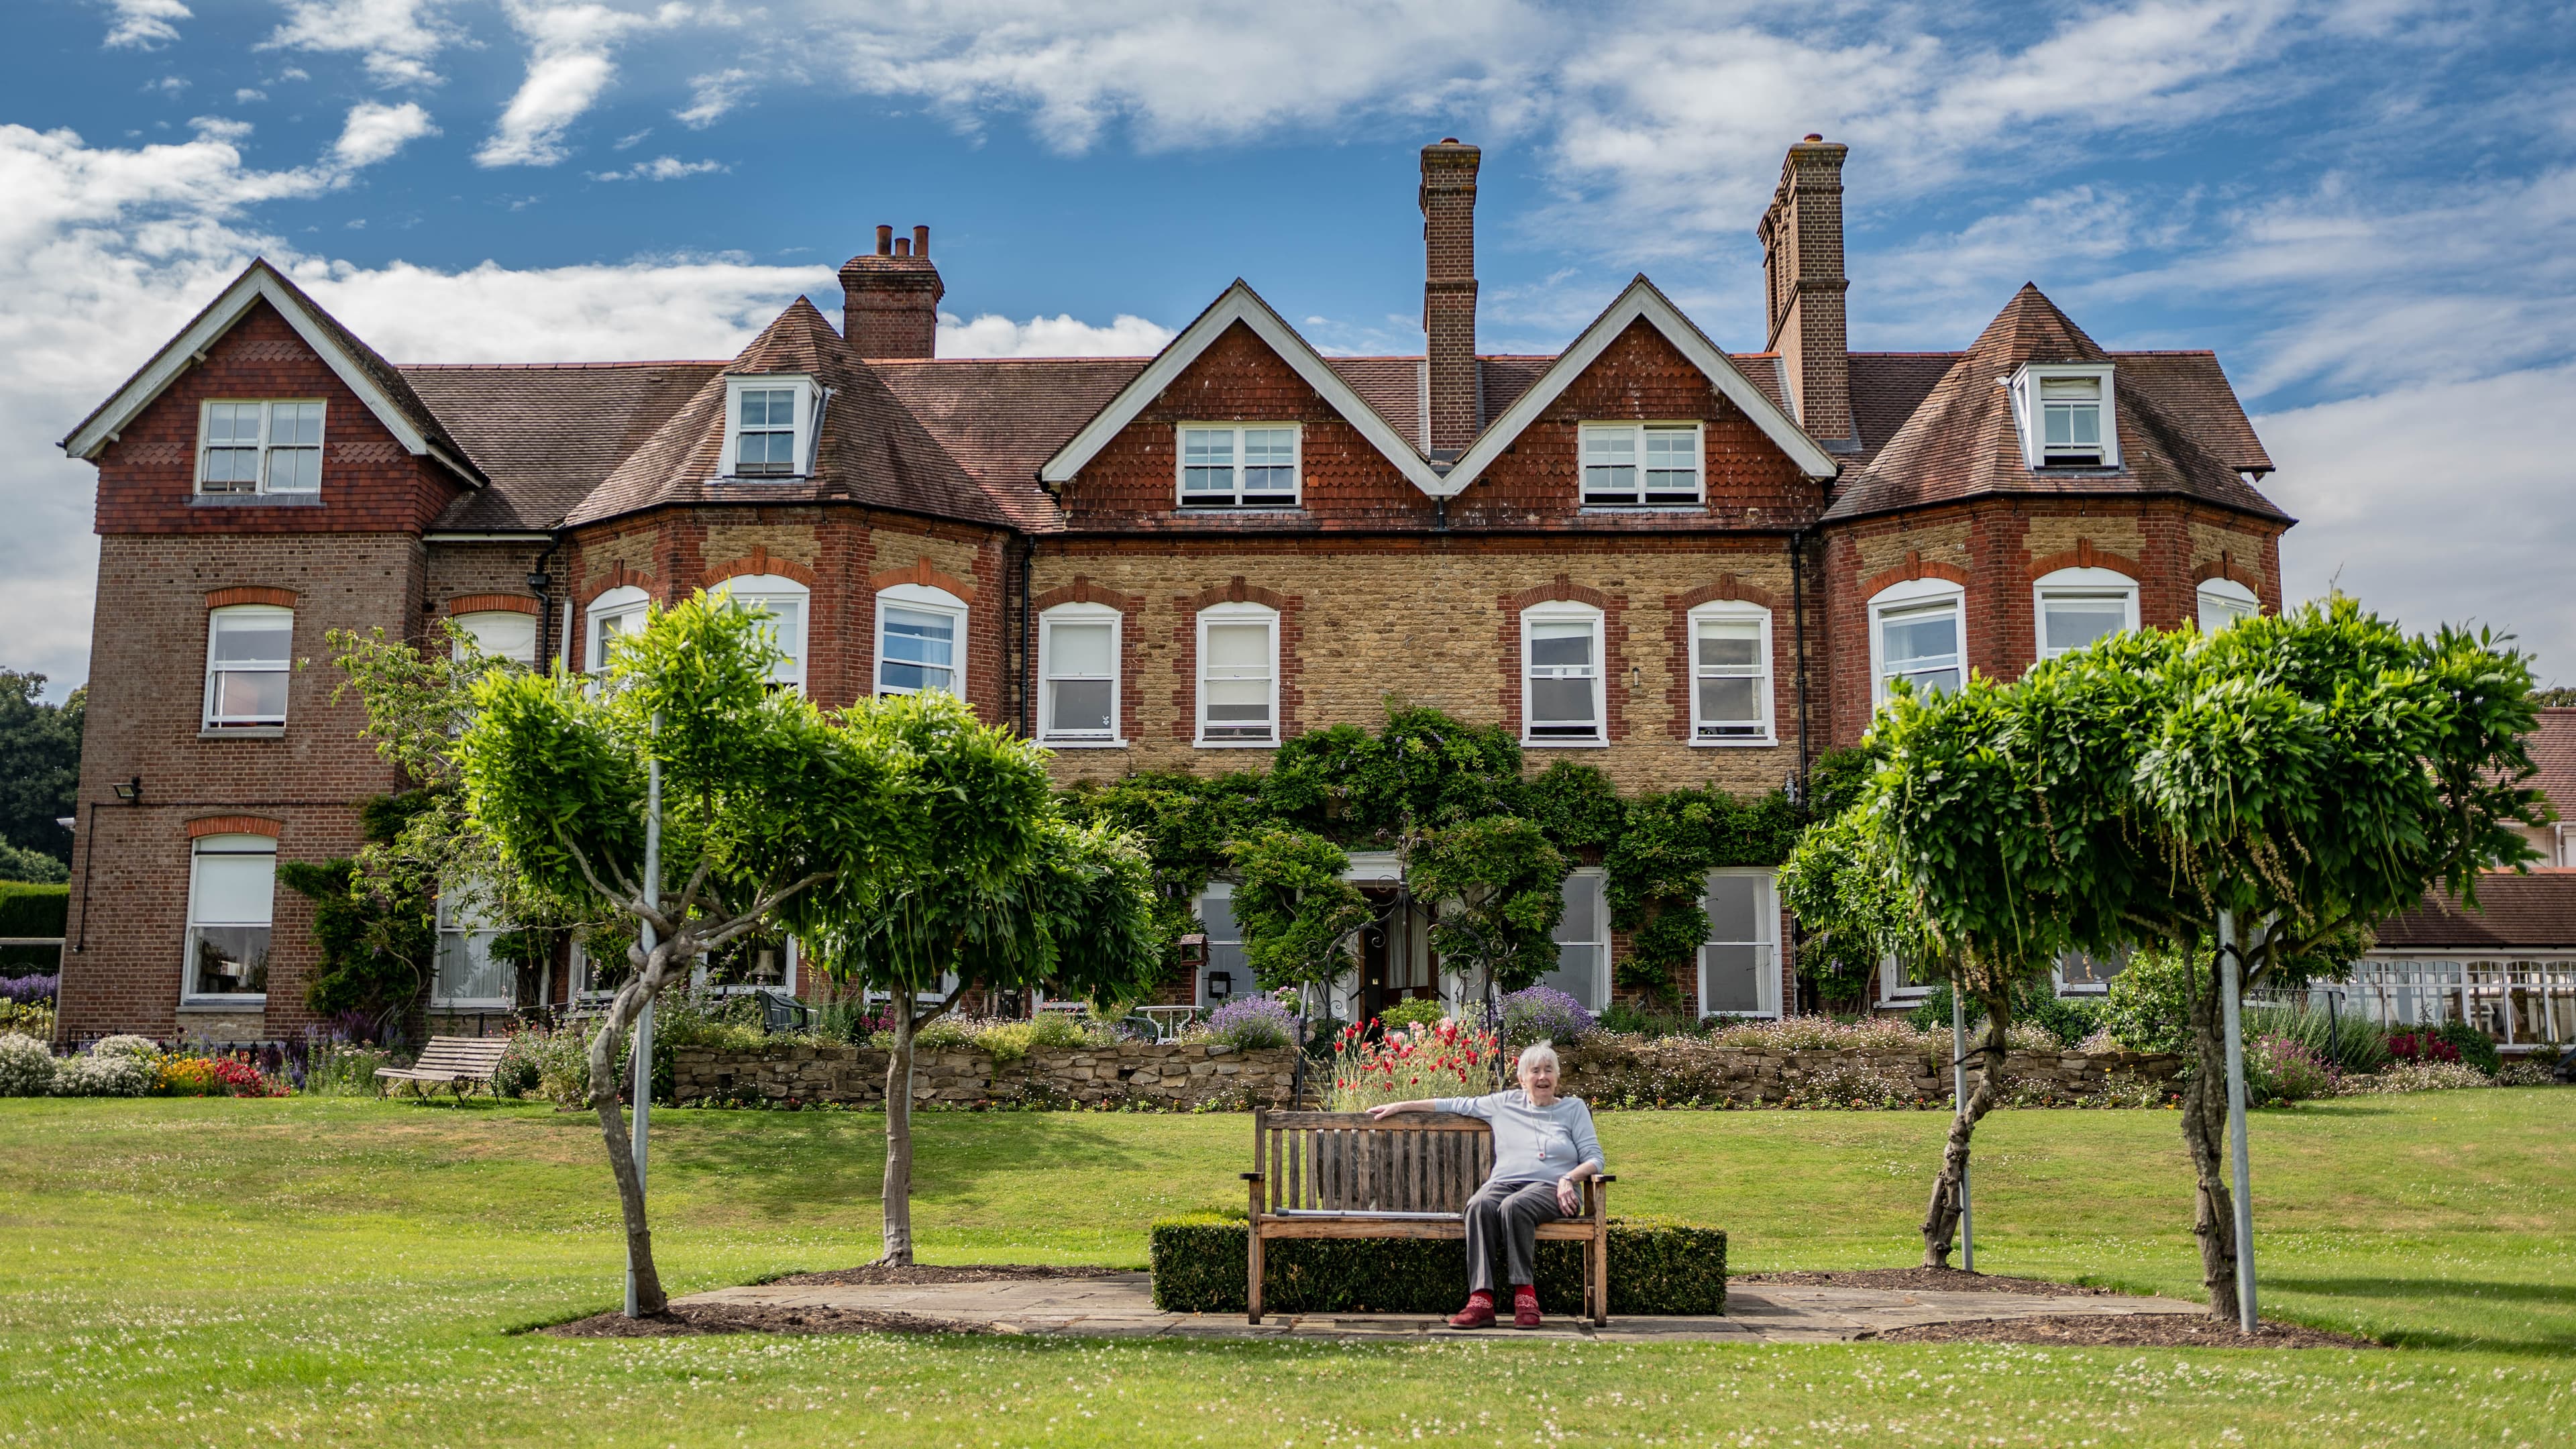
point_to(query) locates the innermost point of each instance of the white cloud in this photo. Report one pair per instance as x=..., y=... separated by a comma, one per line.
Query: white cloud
x=2416, y=503
x=247, y=94
x=660, y=168
x=568, y=67
x=712, y=95
x=991, y=335
x=375, y=132
x=144, y=24
x=397, y=38
x=220, y=128
x=105, y=253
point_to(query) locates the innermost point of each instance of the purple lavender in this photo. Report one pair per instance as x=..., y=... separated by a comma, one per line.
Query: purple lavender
x=1542, y=1013
x=1252, y=1021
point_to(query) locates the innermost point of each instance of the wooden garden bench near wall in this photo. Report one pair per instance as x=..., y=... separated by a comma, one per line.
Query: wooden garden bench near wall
x=453, y=1062
x=1347, y=1175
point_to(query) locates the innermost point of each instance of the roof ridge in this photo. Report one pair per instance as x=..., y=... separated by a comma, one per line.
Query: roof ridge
x=561, y=366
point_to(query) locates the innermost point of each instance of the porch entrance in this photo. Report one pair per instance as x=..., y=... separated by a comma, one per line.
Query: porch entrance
x=1394, y=965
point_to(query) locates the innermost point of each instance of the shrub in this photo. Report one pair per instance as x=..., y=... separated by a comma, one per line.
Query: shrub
x=2528, y=1072
x=2148, y=1006
x=2475, y=1048
x=126, y=1046
x=1823, y=1033
x=1627, y=1018
x=35, y=1021
x=26, y=1067
x=521, y=1069
x=693, y=1019
x=2407, y=1047
x=2347, y=1043
x=1062, y=1029
x=1415, y=1011
x=2279, y=1069
x=337, y=1068
x=108, y=1074
x=1543, y=1013
x=2417, y=1076
x=1657, y=1266
x=1254, y=1022
x=563, y=1066
x=2035, y=1004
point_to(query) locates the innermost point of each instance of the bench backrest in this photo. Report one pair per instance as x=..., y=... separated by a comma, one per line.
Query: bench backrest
x=464, y=1056
x=1415, y=1162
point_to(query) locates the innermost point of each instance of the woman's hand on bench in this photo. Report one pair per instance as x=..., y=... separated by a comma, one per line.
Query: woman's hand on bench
x=1388, y=1109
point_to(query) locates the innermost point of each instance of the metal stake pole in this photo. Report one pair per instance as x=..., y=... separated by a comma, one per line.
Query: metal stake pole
x=2229, y=972
x=1959, y=1108
x=643, y=1052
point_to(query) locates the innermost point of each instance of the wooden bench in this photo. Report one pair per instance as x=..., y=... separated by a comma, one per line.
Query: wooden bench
x=453, y=1062
x=1346, y=1175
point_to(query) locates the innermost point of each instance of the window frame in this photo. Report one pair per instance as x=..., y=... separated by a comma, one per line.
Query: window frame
x=767, y=589
x=1733, y=611
x=1766, y=918
x=267, y=446
x=2030, y=412
x=617, y=603
x=1567, y=611
x=221, y=845
x=1086, y=615
x=207, y=721
x=2227, y=592
x=811, y=399
x=1910, y=595
x=921, y=598
x=1641, y=502
x=2088, y=582
x=1596, y=879
x=1233, y=613
x=1237, y=500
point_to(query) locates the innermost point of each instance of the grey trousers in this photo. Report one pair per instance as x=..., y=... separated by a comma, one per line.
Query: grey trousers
x=1502, y=1233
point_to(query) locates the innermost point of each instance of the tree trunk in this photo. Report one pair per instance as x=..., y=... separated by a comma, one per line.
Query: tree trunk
x=2204, y=1131
x=1941, y=1218
x=898, y=1163
x=622, y=1011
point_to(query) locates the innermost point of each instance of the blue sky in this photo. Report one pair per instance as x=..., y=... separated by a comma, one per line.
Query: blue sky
x=2365, y=208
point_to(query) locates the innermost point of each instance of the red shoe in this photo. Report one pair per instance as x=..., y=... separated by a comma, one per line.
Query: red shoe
x=1479, y=1312
x=1524, y=1306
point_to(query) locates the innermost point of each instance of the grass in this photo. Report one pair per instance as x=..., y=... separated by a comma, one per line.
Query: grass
x=335, y=1271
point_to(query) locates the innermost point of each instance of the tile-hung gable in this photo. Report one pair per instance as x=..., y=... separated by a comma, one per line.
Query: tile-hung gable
x=1687, y=564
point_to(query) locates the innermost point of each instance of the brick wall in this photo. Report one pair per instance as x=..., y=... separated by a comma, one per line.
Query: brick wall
x=131, y=862
x=147, y=478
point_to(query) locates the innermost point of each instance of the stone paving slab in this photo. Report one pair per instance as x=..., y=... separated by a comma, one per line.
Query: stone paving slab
x=1121, y=1305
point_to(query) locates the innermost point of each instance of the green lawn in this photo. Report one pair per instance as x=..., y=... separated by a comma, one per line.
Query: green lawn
x=326, y=1272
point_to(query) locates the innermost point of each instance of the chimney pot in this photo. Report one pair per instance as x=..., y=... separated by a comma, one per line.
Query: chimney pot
x=885, y=241
x=1814, y=136
x=903, y=246
x=921, y=241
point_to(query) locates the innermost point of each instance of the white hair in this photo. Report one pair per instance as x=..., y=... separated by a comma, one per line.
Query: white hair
x=1534, y=1054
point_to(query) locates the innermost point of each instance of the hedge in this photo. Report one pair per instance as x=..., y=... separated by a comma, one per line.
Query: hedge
x=32, y=910
x=1657, y=1266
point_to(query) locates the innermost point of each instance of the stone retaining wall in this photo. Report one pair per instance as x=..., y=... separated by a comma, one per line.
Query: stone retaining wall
x=1682, y=1071
x=1173, y=1076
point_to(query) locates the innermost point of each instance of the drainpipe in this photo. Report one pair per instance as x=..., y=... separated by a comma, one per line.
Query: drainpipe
x=542, y=584
x=1028, y=651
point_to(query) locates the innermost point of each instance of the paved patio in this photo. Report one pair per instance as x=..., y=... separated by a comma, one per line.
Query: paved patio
x=1121, y=1305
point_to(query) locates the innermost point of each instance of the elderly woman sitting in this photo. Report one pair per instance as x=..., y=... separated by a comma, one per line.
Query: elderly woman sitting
x=1544, y=1148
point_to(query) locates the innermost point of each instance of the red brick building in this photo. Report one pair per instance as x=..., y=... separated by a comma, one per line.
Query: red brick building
x=1691, y=565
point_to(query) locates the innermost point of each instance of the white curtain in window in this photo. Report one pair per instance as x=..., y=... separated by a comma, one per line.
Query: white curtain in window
x=232, y=890
x=1561, y=669
x=1078, y=667
x=1238, y=674
x=503, y=634
x=1918, y=634
x=1740, y=965
x=2223, y=602
x=1730, y=673
x=921, y=636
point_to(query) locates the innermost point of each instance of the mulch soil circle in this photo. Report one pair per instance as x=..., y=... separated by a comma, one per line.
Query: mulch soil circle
x=2137, y=1330
x=1942, y=1280
x=683, y=1319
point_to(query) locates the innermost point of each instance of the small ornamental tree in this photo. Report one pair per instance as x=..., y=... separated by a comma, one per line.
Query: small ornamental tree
x=989, y=887
x=1497, y=890
x=763, y=799
x=1295, y=910
x=1855, y=907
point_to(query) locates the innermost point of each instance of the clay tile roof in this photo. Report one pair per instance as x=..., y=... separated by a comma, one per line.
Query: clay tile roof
x=1392, y=385
x=1960, y=441
x=548, y=434
x=1001, y=418
x=872, y=449
x=383, y=374
x=2534, y=911
x=2553, y=749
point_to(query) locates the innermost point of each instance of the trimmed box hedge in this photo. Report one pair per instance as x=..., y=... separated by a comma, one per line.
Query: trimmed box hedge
x=1657, y=1266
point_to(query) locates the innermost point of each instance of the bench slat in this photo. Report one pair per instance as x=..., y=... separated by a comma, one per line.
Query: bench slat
x=1358, y=1122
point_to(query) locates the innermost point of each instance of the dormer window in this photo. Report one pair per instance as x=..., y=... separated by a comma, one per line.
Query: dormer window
x=770, y=426
x=1641, y=464
x=1223, y=466
x=2064, y=413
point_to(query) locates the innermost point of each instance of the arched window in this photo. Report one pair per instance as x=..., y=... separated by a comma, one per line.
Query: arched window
x=1078, y=674
x=1731, y=674
x=618, y=611
x=788, y=604
x=2223, y=602
x=250, y=655
x=921, y=640
x=1918, y=631
x=1561, y=675
x=2074, y=607
x=503, y=634
x=1238, y=675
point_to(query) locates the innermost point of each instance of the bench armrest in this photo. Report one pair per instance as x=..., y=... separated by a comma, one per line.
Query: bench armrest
x=1605, y=1177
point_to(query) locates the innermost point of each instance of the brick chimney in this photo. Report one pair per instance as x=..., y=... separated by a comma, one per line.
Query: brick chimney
x=890, y=299
x=1455, y=384
x=1802, y=272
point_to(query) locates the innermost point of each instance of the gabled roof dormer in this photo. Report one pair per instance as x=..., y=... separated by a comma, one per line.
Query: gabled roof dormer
x=1240, y=303
x=1641, y=302
x=377, y=383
